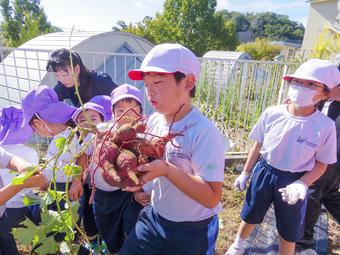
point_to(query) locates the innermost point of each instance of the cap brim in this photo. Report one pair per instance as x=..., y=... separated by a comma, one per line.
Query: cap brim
x=114, y=101
x=302, y=77
x=137, y=74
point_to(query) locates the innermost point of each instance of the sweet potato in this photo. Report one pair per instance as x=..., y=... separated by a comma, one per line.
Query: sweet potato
x=105, y=151
x=128, y=132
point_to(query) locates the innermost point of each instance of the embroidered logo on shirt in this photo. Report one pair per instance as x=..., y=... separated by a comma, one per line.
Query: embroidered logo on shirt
x=176, y=154
x=211, y=166
x=301, y=139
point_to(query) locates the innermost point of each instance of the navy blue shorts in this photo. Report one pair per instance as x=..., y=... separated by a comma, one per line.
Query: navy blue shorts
x=115, y=214
x=7, y=242
x=86, y=212
x=263, y=190
x=155, y=235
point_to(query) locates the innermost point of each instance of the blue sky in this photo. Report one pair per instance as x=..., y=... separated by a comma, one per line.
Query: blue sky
x=101, y=15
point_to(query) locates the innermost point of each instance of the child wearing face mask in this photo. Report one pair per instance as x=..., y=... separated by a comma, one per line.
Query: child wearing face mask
x=294, y=143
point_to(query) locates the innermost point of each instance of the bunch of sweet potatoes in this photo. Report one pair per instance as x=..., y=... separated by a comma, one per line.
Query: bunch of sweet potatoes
x=119, y=152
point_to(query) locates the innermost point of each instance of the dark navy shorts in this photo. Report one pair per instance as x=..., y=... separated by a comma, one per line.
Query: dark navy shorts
x=115, y=214
x=7, y=242
x=155, y=235
x=263, y=191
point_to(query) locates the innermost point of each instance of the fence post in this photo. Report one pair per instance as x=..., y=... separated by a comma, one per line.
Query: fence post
x=279, y=100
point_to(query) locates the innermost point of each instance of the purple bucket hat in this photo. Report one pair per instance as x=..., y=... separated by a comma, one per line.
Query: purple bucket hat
x=44, y=102
x=11, y=130
x=105, y=102
x=90, y=106
x=126, y=91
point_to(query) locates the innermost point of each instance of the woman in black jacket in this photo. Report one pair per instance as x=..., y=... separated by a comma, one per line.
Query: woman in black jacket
x=90, y=82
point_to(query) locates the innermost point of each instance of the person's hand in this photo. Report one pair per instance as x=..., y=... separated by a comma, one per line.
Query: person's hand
x=37, y=180
x=293, y=192
x=142, y=197
x=153, y=169
x=241, y=181
x=150, y=171
x=76, y=190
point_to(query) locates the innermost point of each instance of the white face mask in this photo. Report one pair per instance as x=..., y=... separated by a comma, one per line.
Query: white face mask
x=300, y=95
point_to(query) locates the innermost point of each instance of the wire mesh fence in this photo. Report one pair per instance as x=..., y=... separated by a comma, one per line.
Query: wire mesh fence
x=232, y=93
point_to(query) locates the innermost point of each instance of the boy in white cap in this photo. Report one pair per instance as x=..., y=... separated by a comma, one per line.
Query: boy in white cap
x=294, y=143
x=187, y=182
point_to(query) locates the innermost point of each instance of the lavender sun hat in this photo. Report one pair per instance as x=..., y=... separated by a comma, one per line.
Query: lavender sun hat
x=126, y=91
x=11, y=129
x=44, y=102
x=90, y=106
x=105, y=102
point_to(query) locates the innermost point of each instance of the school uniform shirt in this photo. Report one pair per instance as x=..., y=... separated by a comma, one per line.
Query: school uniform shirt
x=293, y=143
x=64, y=158
x=28, y=154
x=5, y=157
x=102, y=85
x=199, y=152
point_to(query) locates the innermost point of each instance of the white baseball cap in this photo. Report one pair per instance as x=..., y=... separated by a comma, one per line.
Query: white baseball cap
x=168, y=58
x=323, y=71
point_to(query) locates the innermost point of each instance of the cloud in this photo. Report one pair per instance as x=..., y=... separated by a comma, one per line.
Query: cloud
x=223, y=4
x=138, y=4
x=259, y=6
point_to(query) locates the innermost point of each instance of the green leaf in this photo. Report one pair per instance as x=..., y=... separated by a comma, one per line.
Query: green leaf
x=26, y=234
x=60, y=143
x=56, y=195
x=48, y=246
x=31, y=199
x=21, y=178
x=72, y=170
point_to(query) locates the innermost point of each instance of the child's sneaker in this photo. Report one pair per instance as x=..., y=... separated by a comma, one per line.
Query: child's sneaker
x=234, y=250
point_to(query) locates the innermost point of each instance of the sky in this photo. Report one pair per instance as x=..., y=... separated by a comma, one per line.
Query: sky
x=101, y=15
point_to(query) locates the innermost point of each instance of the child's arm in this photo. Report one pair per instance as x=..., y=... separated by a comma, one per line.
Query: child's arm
x=76, y=189
x=18, y=164
x=318, y=170
x=206, y=193
x=10, y=190
x=253, y=156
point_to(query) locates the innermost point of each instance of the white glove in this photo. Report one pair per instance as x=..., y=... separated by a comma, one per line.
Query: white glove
x=293, y=192
x=241, y=181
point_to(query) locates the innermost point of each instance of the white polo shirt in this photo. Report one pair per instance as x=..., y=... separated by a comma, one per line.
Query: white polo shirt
x=292, y=143
x=5, y=157
x=26, y=153
x=199, y=152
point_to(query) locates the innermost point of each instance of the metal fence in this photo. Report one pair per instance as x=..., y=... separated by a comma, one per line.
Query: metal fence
x=232, y=93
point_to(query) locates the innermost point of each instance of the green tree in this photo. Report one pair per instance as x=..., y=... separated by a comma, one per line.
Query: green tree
x=22, y=21
x=275, y=27
x=192, y=23
x=261, y=49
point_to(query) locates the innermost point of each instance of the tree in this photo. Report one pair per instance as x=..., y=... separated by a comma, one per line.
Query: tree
x=276, y=27
x=327, y=44
x=261, y=49
x=192, y=23
x=23, y=20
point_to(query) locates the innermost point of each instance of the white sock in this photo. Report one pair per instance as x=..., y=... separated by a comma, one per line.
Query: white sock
x=239, y=242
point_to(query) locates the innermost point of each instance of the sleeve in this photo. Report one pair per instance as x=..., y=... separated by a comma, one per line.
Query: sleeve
x=5, y=157
x=104, y=84
x=257, y=133
x=327, y=151
x=208, y=156
x=147, y=187
x=60, y=90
